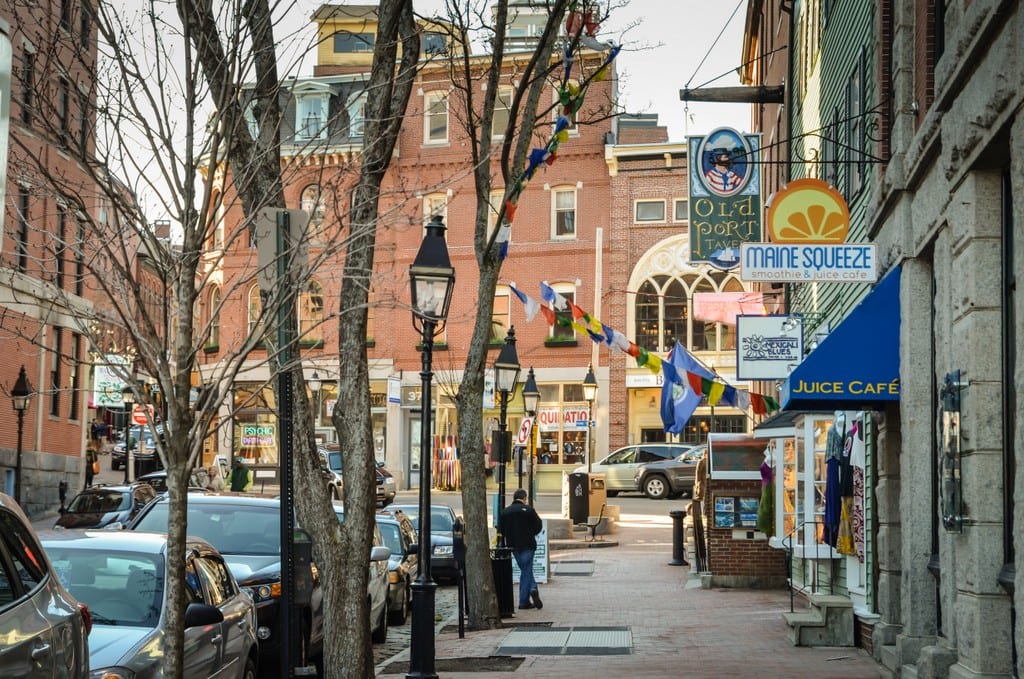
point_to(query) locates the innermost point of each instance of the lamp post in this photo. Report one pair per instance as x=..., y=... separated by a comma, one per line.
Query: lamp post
x=506, y=377
x=531, y=399
x=432, y=280
x=314, y=386
x=590, y=393
x=21, y=394
x=128, y=398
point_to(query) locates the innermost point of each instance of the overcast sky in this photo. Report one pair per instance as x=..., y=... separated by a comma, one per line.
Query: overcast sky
x=662, y=53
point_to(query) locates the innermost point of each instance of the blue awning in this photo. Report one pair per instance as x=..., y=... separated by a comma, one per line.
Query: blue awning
x=858, y=364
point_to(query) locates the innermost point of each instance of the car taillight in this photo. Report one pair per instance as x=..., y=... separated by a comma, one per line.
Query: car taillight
x=86, y=618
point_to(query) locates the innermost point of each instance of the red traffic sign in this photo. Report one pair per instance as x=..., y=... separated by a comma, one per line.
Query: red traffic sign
x=139, y=413
x=523, y=437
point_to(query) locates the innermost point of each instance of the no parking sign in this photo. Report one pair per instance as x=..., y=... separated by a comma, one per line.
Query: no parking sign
x=523, y=437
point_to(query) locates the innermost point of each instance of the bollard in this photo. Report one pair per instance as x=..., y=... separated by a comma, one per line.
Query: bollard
x=678, y=539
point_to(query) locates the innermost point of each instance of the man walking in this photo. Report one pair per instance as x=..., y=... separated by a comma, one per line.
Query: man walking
x=519, y=524
x=239, y=478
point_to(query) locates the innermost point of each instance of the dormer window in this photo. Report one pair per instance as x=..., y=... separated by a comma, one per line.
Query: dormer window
x=434, y=43
x=311, y=116
x=357, y=115
x=353, y=42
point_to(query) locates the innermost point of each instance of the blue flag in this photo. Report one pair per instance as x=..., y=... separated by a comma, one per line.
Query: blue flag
x=678, y=399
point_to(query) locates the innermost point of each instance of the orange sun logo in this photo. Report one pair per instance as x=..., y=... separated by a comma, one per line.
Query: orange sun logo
x=808, y=211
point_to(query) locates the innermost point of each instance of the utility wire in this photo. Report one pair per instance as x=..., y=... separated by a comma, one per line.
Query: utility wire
x=719, y=37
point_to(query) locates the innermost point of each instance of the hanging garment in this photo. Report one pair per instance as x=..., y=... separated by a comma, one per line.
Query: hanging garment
x=833, y=502
x=844, y=541
x=766, y=508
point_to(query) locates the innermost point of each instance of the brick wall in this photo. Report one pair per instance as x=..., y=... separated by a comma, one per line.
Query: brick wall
x=729, y=557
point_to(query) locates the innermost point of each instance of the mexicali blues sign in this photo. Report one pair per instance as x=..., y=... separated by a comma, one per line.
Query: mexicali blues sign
x=725, y=196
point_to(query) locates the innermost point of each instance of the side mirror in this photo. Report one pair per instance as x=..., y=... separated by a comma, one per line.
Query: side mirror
x=380, y=553
x=200, y=615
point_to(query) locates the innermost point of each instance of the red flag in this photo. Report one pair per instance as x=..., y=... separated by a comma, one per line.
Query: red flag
x=577, y=313
x=757, y=404
x=695, y=382
x=548, y=314
x=633, y=350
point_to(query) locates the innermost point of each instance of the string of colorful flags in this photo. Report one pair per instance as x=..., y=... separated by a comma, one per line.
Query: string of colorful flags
x=582, y=26
x=714, y=390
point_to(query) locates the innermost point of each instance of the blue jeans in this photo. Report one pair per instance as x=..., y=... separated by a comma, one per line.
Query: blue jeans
x=524, y=558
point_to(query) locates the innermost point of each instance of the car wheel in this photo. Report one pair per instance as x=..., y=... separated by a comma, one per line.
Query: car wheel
x=380, y=632
x=114, y=466
x=612, y=493
x=655, y=487
x=250, y=669
x=398, y=617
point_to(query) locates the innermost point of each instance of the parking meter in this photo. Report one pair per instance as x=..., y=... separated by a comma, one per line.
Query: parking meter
x=302, y=552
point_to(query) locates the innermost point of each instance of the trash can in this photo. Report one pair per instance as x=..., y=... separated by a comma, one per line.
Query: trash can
x=579, y=497
x=501, y=569
x=598, y=494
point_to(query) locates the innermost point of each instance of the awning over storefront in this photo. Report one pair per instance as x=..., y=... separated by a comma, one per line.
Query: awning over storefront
x=858, y=364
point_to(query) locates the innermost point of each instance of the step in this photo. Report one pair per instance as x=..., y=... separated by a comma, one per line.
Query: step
x=890, y=659
x=828, y=622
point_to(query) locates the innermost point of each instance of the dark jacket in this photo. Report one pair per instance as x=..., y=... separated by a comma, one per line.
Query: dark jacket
x=519, y=524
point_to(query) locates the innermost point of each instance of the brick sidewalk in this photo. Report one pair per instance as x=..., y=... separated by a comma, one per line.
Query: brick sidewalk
x=676, y=628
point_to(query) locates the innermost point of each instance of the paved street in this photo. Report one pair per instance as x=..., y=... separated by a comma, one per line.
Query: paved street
x=622, y=611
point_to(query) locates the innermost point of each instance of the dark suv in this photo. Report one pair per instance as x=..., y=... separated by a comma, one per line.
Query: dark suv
x=670, y=478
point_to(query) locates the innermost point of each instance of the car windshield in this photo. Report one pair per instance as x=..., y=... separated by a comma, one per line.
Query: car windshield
x=120, y=588
x=231, y=528
x=440, y=519
x=334, y=460
x=392, y=538
x=99, y=502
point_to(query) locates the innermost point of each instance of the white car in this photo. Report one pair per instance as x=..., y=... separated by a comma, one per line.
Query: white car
x=377, y=584
x=620, y=467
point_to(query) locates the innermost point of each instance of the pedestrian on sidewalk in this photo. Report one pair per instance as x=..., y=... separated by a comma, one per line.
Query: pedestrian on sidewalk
x=239, y=478
x=519, y=524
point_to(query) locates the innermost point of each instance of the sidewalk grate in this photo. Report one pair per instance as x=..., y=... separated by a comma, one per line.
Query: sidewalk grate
x=584, y=567
x=568, y=641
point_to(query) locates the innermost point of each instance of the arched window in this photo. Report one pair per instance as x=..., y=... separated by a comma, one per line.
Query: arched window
x=213, y=315
x=312, y=202
x=663, y=312
x=255, y=309
x=311, y=313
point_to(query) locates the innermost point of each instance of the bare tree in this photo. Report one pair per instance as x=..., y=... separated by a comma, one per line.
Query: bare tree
x=533, y=73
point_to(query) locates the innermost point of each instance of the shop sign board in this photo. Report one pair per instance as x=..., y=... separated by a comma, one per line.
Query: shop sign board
x=258, y=435
x=725, y=196
x=808, y=221
x=107, y=385
x=767, y=347
x=540, y=557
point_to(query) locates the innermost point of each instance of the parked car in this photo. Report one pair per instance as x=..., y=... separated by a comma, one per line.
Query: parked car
x=44, y=629
x=158, y=480
x=620, y=467
x=377, y=587
x=120, y=576
x=331, y=463
x=670, y=478
x=106, y=506
x=444, y=569
x=400, y=537
x=245, y=529
x=144, y=447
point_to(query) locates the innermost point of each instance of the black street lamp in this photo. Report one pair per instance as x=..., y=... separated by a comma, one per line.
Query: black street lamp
x=531, y=399
x=590, y=393
x=432, y=280
x=21, y=394
x=128, y=397
x=506, y=377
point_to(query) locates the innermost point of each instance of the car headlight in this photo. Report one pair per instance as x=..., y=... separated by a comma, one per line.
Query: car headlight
x=111, y=673
x=442, y=550
x=265, y=592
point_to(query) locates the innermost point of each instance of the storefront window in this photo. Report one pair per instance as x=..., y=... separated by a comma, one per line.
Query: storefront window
x=255, y=430
x=562, y=425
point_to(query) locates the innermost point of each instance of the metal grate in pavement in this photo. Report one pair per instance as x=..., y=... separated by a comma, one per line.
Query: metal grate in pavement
x=568, y=641
x=580, y=567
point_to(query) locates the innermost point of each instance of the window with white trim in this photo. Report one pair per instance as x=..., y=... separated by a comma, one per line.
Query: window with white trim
x=494, y=209
x=311, y=313
x=663, y=313
x=563, y=213
x=502, y=111
x=435, y=205
x=435, y=117
x=681, y=210
x=357, y=115
x=312, y=202
x=562, y=329
x=255, y=309
x=500, y=314
x=213, y=315
x=649, y=211
x=311, y=116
